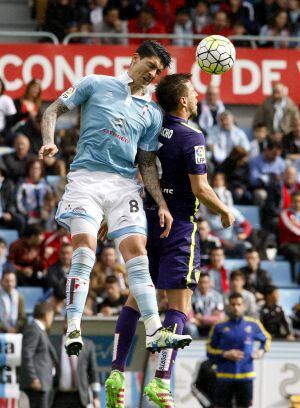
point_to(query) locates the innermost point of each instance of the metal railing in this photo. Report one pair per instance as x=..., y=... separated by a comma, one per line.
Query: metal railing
x=28, y=34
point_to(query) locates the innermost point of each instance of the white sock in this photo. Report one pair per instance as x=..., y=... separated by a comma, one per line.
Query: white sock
x=152, y=324
x=73, y=324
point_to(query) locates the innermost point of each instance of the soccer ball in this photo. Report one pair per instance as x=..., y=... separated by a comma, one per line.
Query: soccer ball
x=215, y=54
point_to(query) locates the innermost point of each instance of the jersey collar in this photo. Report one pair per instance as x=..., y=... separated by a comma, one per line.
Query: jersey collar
x=125, y=79
x=174, y=118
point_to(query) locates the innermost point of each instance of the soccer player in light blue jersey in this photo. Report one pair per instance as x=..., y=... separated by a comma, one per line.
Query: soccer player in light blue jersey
x=119, y=122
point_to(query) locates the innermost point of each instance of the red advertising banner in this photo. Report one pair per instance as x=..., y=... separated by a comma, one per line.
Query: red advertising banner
x=248, y=82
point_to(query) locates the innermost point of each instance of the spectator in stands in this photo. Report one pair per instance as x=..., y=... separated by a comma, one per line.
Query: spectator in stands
x=218, y=183
x=208, y=308
x=57, y=299
x=129, y=9
x=112, y=23
x=8, y=217
x=30, y=192
x=3, y=255
x=260, y=137
x=266, y=168
x=293, y=10
x=207, y=241
x=277, y=111
x=32, y=129
x=264, y=10
x=25, y=256
x=223, y=137
x=220, y=25
x=165, y=12
x=209, y=109
x=217, y=271
x=146, y=23
x=16, y=162
x=243, y=12
x=273, y=317
x=7, y=112
x=113, y=300
x=257, y=279
x=53, y=241
x=289, y=232
x=58, y=272
x=291, y=141
x=77, y=376
x=237, y=285
x=29, y=104
x=279, y=198
x=39, y=358
x=54, y=166
x=278, y=26
x=107, y=266
x=200, y=16
x=48, y=211
x=240, y=30
x=68, y=142
x=12, y=308
x=96, y=14
x=183, y=26
x=60, y=17
x=236, y=168
x=296, y=319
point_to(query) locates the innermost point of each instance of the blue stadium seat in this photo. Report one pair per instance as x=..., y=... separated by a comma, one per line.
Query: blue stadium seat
x=280, y=272
x=53, y=180
x=251, y=213
x=233, y=264
x=32, y=295
x=9, y=235
x=288, y=299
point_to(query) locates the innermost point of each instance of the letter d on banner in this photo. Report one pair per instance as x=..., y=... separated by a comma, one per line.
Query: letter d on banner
x=245, y=89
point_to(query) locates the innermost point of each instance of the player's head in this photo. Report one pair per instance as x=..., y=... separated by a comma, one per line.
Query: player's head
x=296, y=201
x=271, y=295
x=175, y=93
x=237, y=305
x=150, y=59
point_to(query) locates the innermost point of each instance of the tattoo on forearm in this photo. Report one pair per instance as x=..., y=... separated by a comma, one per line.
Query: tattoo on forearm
x=148, y=169
x=50, y=116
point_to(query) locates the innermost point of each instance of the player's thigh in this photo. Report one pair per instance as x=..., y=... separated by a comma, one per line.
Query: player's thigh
x=80, y=200
x=179, y=266
x=244, y=394
x=223, y=394
x=124, y=210
x=154, y=243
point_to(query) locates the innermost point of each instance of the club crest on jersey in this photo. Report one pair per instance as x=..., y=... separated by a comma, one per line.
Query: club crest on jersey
x=69, y=92
x=200, y=154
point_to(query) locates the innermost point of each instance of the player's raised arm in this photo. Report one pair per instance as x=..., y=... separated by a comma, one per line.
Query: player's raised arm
x=49, y=118
x=204, y=192
x=149, y=172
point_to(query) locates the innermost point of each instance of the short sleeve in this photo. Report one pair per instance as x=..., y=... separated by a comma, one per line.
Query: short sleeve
x=194, y=153
x=149, y=140
x=79, y=92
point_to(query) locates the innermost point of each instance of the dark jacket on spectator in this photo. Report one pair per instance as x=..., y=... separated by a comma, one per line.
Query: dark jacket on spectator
x=275, y=321
x=16, y=168
x=261, y=281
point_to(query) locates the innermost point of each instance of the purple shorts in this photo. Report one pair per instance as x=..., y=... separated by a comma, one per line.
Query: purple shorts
x=174, y=261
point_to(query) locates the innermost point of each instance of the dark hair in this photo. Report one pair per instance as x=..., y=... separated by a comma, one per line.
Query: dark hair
x=170, y=89
x=272, y=144
x=204, y=275
x=109, y=8
x=237, y=274
x=111, y=279
x=270, y=289
x=295, y=194
x=59, y=290
x=152, y=48
x=27, y=91
x=237, y=153
x=216, y=248
x=148, y=10
x=181, y=10
x=235, y=295
x=34, y=229
x=41, y=310
x=2, y=87
x=260, y=125
x=251, y=250
x=31, y=162
x=2, y=241
x=9, y=269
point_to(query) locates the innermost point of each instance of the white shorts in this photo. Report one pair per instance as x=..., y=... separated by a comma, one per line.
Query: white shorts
x=94, y=195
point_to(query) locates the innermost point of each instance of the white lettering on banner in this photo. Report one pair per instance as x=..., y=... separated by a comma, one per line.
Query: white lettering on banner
x=46, y=66
x=196, y=79
x=95, y=62
x=10, y=59
x=121, y=64
x=298, y=66
x=289, y=381
x=269, y=75
x=244, y=89
x=63, y=69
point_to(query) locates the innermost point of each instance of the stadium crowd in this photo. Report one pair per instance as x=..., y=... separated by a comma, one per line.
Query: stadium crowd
x=233, y=17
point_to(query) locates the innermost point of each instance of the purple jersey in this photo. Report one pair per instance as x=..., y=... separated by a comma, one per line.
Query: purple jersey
x=181, y=151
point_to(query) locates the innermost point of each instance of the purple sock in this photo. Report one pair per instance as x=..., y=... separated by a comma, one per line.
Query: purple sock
x=167, y=357
x=124, y=334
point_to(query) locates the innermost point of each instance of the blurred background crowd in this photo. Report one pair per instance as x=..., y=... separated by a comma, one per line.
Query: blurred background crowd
x=232, y=17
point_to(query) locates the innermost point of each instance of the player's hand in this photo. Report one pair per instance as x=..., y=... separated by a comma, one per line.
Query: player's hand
x=165, y=220
x=233, y=355
x=227, y=219
x=258, y=354
x=36, y=384
x=102, y=234
x=49, y=149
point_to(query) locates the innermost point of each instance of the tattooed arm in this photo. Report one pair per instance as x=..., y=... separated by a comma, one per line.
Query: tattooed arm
x=149, y=173
x=49, y=118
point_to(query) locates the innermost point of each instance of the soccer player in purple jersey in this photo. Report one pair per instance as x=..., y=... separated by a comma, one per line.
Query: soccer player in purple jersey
x=175, y=261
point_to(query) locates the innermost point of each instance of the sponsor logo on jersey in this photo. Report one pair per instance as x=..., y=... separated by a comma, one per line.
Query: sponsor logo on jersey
x=200, y=154
x=165, y=132
x=69, y=92
x=79, y=210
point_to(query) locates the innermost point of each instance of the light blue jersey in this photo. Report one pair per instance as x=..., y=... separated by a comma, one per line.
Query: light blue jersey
x=114, y=124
